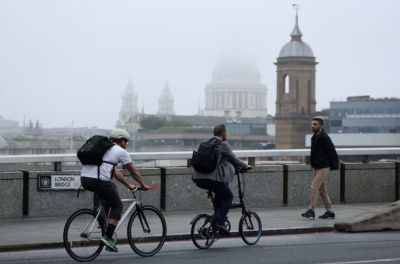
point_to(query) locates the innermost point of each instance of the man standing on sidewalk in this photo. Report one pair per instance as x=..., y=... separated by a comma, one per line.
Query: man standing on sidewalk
x=323, y=159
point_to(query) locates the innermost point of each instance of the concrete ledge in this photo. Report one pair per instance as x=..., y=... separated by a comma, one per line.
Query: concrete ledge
x=385, y=217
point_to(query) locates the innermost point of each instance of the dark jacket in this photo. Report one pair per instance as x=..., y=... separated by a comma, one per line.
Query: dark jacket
x=323, y=153
x=227, y=165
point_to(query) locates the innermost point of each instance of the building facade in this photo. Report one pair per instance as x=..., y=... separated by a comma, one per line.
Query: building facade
x=363, y=114
x=250, y=133
x=235, y=90
x=295, y=102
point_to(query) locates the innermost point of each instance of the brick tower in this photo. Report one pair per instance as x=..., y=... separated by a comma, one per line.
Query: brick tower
x=295, y=102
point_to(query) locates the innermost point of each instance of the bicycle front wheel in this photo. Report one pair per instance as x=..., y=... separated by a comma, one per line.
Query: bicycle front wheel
x=147, y=231
x=82, y=234
x=250, y=228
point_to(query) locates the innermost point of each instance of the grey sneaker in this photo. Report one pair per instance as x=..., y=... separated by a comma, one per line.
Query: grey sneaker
x=309, y=214
x=328, y=215
x=109, y=243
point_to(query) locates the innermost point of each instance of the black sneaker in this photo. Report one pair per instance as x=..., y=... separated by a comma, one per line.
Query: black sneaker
x=221, y=228
x=328, y=215
x=309, y=214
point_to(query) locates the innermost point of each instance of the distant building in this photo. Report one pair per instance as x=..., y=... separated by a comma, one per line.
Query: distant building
x=129, y=114
x=9, y=126
x=356, y=140
x=295, y=102
x=189, y=131
x=363, y=114
x=166, y=102
x=7, y=123
x=37, y=140
x=235, y=90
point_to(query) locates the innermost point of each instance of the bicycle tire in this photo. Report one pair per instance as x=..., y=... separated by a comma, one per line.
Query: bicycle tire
x=80, y=245
x=250, y=228
x=200, y=233
x=145, y=242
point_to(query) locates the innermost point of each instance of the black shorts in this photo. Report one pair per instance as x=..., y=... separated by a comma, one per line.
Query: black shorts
x=108, y=191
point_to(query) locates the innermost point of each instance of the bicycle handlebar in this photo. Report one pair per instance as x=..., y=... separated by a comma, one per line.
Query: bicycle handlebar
x=152, y=186
x=244, y=170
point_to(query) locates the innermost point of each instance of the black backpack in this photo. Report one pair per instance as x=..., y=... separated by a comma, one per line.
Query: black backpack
x=205, y=159
x=92, y=152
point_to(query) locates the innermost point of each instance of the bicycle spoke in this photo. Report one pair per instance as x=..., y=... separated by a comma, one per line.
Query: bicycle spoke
x=82, y=235
x=201, y=233
x=147, y=231
x=250, y=228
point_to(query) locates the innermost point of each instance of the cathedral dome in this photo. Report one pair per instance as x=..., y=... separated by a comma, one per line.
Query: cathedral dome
x=236, y=68
x=296, y=47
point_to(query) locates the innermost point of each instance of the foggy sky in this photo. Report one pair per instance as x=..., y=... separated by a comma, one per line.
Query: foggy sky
x=72, y=59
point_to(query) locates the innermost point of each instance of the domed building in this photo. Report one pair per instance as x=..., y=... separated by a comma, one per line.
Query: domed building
x=295, y=102
x=235, y=90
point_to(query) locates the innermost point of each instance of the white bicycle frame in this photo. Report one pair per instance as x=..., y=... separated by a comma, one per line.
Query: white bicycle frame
x=125, y=214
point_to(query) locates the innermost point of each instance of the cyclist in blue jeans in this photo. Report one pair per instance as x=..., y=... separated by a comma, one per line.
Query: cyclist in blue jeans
x=218, y=180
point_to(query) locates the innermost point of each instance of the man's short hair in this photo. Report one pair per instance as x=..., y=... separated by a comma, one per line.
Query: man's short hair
x=219, y=130
x=319, y=120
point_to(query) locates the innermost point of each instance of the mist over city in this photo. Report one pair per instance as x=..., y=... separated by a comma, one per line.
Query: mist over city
x=133, y=129
x=71, y=61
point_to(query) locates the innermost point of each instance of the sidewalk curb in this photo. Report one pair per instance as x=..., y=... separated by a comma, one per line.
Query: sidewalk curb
x=173, y=237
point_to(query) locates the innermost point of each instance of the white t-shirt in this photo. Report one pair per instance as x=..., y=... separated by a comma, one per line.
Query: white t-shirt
x=114, y=155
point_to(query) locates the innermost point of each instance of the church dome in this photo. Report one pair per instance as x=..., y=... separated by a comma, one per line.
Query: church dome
x=296, y=47
x=236, y=68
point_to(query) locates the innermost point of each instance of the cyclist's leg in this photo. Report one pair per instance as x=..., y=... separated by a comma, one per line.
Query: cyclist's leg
x=222, y=196
x=109, y=192
x=223, y=200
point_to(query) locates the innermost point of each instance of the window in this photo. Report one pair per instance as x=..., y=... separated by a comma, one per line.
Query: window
x=286, y=83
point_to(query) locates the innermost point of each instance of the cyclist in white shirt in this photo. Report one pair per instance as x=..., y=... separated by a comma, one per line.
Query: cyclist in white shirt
x=98, y=179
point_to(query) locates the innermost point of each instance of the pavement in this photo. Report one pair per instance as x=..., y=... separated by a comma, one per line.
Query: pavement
x=46, y=232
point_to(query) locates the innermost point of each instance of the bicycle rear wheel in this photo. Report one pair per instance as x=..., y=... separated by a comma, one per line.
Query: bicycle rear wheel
x=147, y=231
x=82, y=234
x=250, y=228
x=201, y=232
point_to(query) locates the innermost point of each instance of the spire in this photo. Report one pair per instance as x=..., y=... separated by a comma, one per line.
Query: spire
x=166, y=102
x=296, y=33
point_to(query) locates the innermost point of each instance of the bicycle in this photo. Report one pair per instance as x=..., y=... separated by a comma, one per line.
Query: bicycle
x=204, y=235
x=146, y=229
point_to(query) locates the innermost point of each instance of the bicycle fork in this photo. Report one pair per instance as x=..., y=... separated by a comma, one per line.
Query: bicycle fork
x=143, y=221
x=248, y=221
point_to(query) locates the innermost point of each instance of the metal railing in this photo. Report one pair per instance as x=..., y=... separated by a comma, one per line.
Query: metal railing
x=187, y=155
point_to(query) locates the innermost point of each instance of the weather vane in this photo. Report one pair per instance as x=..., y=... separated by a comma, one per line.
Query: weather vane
x=296, y=7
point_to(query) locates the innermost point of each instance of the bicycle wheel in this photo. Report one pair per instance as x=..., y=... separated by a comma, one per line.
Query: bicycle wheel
x=227, y=225
x=147, y=231
x=250, y=228
x=82, y=234
x=201, y=232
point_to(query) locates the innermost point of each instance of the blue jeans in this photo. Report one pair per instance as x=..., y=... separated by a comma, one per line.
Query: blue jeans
x=222, y=196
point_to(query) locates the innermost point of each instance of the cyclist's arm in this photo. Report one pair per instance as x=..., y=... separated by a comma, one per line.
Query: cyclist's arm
x=120, y=177
x=138, y=177
x=227, y=152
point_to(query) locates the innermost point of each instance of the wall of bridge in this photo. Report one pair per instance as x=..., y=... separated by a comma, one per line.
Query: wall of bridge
x=264, y=186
